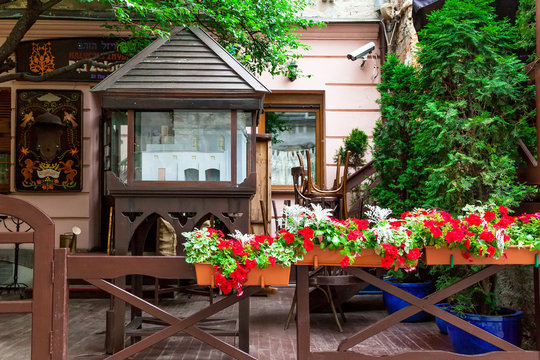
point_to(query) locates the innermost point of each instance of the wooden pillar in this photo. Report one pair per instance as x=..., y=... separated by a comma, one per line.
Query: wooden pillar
x=302, y=313
x=537, y=305
x=243, y=325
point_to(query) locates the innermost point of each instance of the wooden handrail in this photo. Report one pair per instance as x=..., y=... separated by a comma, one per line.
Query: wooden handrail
x=360, y=175
x=527, y=155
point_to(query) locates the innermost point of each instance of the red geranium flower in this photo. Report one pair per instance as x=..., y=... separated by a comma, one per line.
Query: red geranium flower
x=489, y=215
x=435, y=231
x=251, y=263
x=362, y=224
x=486, y=235
x=308, y=244
x=473, y=220
x=345, y=262
x=491, y=251
x=413, y=254
x=289, y=237
x=355, y=234
x=307, y=233
x=272, y=260
x=387, y=262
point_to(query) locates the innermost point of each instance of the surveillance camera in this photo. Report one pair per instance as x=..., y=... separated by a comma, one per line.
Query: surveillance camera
x=361, y=51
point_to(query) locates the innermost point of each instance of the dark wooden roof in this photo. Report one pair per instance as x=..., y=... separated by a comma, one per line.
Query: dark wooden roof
x=189, y=61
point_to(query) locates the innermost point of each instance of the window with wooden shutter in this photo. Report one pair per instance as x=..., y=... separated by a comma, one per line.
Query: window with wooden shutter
x=5, y=138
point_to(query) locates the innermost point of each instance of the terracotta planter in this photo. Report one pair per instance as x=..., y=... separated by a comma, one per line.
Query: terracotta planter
x=326, y=257
x=514, y=256
x=272, y=275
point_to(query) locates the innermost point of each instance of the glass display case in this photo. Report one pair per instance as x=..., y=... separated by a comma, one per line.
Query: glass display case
x=183, y=145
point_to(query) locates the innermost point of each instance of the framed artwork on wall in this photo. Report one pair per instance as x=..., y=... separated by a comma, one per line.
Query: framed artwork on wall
x=48, y=141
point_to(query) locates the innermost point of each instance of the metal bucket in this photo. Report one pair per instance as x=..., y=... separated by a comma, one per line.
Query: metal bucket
x=69, y=240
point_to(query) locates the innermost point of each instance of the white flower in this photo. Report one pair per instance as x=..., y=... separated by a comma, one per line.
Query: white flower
x=319, y=214
x=377, y=214
x=499, y=238
x=244, y=238
x=384, y=233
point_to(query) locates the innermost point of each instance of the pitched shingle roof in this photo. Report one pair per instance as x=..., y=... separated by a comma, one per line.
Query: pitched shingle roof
x=189, y=61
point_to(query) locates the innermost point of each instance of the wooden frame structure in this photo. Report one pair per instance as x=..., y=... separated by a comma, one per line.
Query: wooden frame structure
x=44, y=321
x=510, y=351
x=94, y=269
x=50, y=304
x=189, y=71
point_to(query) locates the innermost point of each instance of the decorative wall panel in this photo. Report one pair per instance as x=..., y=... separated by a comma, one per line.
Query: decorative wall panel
x=48, y=141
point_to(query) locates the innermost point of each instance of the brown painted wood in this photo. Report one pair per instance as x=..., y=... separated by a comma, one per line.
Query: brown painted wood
x=180, y=85
x=41, y=305
x=176, y=324
x=131, y=147
x=302, y=313
x=23, y=306
x=255, y=84
x=60, y=306
x=186, y=72
x=16, y=238
x=144, y=103
x=536, y=279
x=427, y=355
x=425, y=304
x=234, y=146
x=214, y=79
x=134, y=61
x=199, y=49
x=181, y=67
x=103, y=267
x=243, y=325
x=357, y=177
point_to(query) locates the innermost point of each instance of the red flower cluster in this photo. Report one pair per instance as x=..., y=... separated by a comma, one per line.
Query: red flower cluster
x=307, y=233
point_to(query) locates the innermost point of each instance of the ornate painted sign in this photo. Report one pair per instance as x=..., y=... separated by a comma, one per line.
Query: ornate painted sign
x=44, y=56
x=48, y=141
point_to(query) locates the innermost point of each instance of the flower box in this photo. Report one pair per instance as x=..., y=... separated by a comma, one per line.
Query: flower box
x=272, y=275
x=325, y=257
x=514, y=256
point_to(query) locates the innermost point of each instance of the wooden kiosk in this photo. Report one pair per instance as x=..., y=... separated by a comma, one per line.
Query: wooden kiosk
x=179, y=128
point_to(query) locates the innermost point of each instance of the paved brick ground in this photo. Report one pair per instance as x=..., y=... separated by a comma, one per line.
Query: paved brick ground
x=269, y=341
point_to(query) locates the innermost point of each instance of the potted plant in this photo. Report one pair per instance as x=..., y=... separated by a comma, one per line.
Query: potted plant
x=230, y=263
x=485, y=235
x=417, y=283
x=321, y=240
x=478, y=306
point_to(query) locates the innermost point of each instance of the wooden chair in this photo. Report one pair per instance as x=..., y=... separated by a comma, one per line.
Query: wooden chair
x=306, y=192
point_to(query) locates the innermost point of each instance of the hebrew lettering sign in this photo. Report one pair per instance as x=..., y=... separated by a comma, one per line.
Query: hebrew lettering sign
x=48, y=140
x=44, y=56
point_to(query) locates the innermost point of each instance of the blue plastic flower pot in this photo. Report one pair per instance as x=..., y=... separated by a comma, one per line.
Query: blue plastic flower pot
x=394, y=304
x=441, y=324
x=507, y=326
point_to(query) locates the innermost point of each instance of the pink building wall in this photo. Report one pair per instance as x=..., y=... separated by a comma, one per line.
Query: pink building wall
x=350, y=91
x=67, y=209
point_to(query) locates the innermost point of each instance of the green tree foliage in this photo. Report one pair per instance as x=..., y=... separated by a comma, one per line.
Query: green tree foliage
x=398, y=166
x=463, y=128
x=526, y=25
x=357, y=144
x=260, y=33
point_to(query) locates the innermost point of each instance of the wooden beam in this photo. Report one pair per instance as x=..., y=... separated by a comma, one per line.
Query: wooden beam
x=16, y=238
x=107, y=267
x=24, y=306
